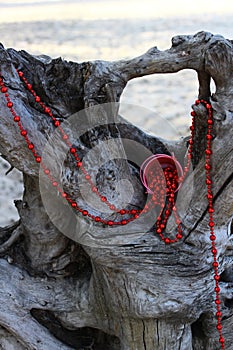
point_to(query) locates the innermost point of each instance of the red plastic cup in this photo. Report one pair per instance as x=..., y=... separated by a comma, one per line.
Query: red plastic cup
x=156, y=163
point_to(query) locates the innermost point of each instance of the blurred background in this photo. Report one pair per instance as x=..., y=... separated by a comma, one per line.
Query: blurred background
x=83, y=30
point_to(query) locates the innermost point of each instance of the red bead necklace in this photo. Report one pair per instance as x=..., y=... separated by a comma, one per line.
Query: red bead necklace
x=160, y=187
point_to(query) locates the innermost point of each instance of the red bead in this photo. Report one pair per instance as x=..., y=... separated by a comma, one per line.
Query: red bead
x=133, y=211
x=65, y=137
x=94, y=189
x=219, y=327
x=9, y=104
x=207, y=166
x=79, y=164
x=123, y=222
x=193, y=114
x=20, y=74
x=218, y=314
x=57, y=123
x=97, y=219
x=29, y=86
x=208, y=182
x=217, y=289
x=212, y=237
x=136, y=216
x=178, y=222
x=16, y=119
x=208, y=106
x=209, y=196
x=64, y=195
x=72, y=150
x=216, y=277
x=159, y=230
x=211, y=224
x=192, y=128
x=4, y=89
x=55, y=183
x=104, y=199
x=47, y=110
x=209, y=137
x=167, y=240
x=221, y=340
x=211, y=210
x=197, y=102
x=23, y=132
x=208, y=152
x=217, y=302
x=214, y=251
x=37, y=99
x=112, y=207
x=85, y=212
x=38, y=159
x=110, y=223
x=46, y=171
x=30, y=146
x=74, y=205
x=87, y=177
x=179, y=236
x=210, y=121
x=122, y=211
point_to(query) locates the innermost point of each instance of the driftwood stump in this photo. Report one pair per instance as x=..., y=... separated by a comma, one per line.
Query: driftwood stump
x=68, y=283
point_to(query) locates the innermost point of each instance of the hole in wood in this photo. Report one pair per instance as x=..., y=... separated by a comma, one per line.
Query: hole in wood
x=169, y=96
x=85, y=338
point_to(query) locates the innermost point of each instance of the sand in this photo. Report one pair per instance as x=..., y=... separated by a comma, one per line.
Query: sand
x=111, y=30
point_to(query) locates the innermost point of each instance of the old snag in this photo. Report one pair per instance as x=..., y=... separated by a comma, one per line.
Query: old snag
x=70, y=283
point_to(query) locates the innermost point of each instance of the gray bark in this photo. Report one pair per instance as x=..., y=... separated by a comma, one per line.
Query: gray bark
x=72, y=284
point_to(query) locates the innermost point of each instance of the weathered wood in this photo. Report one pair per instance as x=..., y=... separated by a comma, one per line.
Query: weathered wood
x=120, y=289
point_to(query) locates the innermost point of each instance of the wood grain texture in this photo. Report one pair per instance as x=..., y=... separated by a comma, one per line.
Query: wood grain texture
x=88, y=289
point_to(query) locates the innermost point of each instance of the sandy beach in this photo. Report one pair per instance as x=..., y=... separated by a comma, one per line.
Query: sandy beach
x=112, y=30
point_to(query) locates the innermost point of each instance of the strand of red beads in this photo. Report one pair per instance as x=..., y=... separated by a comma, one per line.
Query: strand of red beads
x=161, y=223
x=73, y=151
x=208, y=153
x=135, y=213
